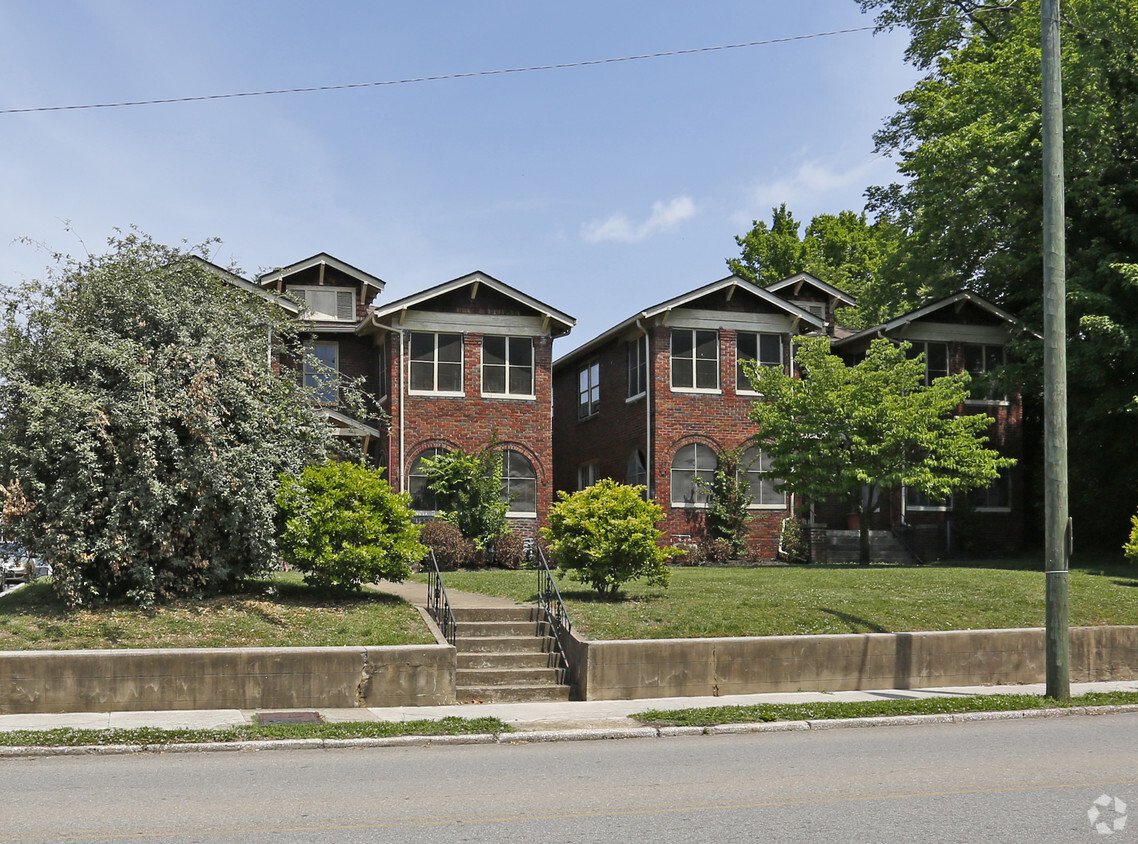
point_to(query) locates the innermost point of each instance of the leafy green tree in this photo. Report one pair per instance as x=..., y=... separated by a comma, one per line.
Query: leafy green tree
x=967, y=139
x=143, y=426
x=344, y=526
x=1130, y=549
x=728, y=497
x=856, y=431
x=605, y=535
x=844, y=250
x=469, y=490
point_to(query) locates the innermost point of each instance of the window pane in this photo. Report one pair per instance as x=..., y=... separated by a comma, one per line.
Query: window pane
x=707, y=374
x=936, y=360
x=974, y=359
x=450, y=377
x=521, y=380
x=422, y=375
x=521, y=351
x=770, y=348
x=493, y=379
x=422, y=346
x=519, y=482
x=494, y=351
x=450, y=347
x=681, y=344
x=707, y=345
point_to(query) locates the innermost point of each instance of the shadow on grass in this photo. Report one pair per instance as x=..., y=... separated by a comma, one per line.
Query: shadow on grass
x=854, y=621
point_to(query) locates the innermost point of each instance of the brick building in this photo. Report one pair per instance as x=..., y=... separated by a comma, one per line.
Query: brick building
x=655, y=399
x=961, y=333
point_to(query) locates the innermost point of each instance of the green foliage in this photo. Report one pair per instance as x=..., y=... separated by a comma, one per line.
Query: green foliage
x=967, y=139
x=844, y=250
x=143, y=427
x=452, y=549
x=342, y=525
x=1130, y=549
x=606, y=535
x=728, y=497
x=794, y=541
x=509, y=551
x=469, y=490
x=853, y=431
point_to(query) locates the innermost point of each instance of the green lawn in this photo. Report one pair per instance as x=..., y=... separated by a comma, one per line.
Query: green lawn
x=277, y=612
x=770, y=601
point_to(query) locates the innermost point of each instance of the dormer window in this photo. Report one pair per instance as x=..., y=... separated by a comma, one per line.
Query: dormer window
x=326, y=304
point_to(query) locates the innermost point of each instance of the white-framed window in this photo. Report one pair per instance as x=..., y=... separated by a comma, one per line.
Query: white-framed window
x=326, y=304
x=507, y=366
x=588, y=390
x=936, y=359
x=436, y=363
x=588, y=474
x=637, y=367
x=811, y=307
x=755, y=468
x=519, y=483
x=695, y=359
x=423, y=499
x=758, y=347
x=982, y=361
x=322, y=371
x=920, y=502
x=692, y=462
x=636, y=473
x=996, y=496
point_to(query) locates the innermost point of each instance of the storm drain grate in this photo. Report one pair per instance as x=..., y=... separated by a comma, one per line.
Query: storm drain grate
x=292, y=716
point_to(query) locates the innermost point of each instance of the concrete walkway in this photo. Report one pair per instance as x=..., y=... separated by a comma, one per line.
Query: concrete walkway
x=416, y=593
x=597, y=718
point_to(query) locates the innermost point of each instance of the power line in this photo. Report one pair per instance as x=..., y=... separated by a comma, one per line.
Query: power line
x=440, y=78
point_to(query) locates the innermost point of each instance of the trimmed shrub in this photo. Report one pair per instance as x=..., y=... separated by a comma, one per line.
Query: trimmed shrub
x=606, y=535
x=452, y=549
x=1130, y=549
x=509, y=550
x=343, y=526
x=717, y=550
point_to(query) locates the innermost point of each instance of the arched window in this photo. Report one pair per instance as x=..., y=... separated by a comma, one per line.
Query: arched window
x=691, y=462
x=422, y=498
x=519, y=482
x=755, y=467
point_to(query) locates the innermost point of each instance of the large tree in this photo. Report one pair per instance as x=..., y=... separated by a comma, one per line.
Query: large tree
x=967, y=138
x=844, y=249
x=143, y=424
x=857, y=431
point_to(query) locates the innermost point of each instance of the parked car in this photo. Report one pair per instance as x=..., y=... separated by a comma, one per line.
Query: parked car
x=17, y=563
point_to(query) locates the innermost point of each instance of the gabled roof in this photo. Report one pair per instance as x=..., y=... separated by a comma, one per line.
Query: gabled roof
x=248, y=286
x=956, y=300
x=796, y=282
x=731, y=281
x=368, y=280
x=561, y=322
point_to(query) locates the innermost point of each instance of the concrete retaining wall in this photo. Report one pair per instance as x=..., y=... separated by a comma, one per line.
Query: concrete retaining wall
x=615, y=670
x=224, y=678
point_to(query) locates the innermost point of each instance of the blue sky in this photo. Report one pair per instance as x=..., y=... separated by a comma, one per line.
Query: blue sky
x=600, y=189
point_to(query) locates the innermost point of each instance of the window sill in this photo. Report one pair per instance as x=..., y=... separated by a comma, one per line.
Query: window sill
x=511, y=396
x=781, y=506
x=987, y=402
x=436, y=394
x=920, y=509
x=704, y=391
x=637, y=397
x=522, y=514
x=683, y=505
x=592, y=415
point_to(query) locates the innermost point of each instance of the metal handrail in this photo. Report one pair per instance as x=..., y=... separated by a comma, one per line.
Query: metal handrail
x=549, y=597
x=438, y=605
x=901, y=535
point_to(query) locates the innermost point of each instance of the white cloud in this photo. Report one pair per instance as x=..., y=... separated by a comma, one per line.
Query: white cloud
x=664, y=216
x=814, y=188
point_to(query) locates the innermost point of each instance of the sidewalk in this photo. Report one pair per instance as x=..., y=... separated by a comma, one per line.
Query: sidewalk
x=597, y=716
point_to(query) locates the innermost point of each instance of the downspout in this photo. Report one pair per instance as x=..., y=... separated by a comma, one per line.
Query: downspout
x=649, y=378
x=402, y=395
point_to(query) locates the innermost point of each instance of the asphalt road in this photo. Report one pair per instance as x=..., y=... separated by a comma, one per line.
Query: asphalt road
x=1017, y=781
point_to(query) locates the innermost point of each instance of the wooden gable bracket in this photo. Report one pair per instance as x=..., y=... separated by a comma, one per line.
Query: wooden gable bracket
x=798, y=286
x=664, y=318
x=956, y=308
x=402, y=316
x=473, y=291
x=730, y=292
x=545, y=324
x=321, y=281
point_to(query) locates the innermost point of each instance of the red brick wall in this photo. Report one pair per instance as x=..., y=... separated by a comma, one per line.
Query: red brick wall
x=470, y=422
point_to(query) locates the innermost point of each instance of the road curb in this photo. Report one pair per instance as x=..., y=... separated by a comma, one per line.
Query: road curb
x=539, y=736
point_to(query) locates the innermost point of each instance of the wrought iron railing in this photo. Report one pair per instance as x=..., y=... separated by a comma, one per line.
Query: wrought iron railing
x=438, y=605
x=549, y=597
x=902, y=535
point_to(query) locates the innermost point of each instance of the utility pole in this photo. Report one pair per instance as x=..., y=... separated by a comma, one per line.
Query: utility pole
x=1057, y=527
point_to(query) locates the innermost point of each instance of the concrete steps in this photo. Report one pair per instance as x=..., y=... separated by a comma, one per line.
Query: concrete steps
x=506, y=654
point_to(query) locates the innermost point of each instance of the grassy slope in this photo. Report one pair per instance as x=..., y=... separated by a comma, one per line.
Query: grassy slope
x=767, y=601
x=281, y=612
